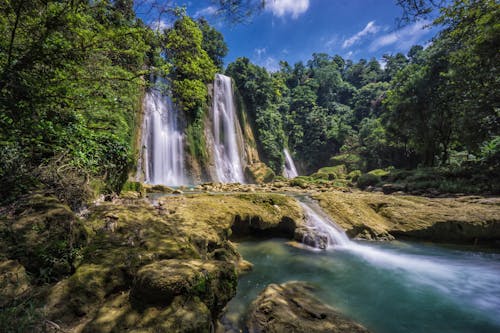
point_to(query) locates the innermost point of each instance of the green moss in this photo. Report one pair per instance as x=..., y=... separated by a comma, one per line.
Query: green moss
x=367, y=179
x=195, y=137
x=354, y=175
x=133, y=186
x=379, y=173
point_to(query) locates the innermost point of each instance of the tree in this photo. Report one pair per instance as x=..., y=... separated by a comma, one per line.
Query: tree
x=191, y=65
x=213, y=43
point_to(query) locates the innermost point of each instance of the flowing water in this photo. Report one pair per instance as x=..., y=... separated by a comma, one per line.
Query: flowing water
x=290, y=171
x=388, y=287
x=228, y=140
x=162, y=159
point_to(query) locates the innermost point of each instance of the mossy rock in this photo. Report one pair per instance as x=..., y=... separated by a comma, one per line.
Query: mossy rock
x=367, y=179
x=133, y=187
x=259, y=173
x=354, y=175
x=331, y=173
x=382, y=174
x=47, y=237
x=214, y=282
x=381, y=216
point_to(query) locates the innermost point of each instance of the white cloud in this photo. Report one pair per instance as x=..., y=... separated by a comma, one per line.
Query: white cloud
x=260, y=52
x=271, y=64
x=160, y=25
x=208, y=11
x=282, y=7
x=349, y=55
x=404, y=38
x=371, y=28
x=332, y=42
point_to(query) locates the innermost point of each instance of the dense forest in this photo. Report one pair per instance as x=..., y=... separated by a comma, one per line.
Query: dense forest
x=72, y=75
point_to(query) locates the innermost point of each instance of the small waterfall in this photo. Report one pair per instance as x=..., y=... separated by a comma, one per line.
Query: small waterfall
x=227, y=133
x=290, y=170
x=321, y=225
x=162, y=140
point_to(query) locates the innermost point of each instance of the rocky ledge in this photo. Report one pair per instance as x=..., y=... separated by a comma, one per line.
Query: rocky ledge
x=291, y=307
x=469, y=220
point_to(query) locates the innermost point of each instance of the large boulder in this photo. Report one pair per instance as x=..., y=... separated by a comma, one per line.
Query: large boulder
x=291, y=307
x=46, y=235
x=214, y=282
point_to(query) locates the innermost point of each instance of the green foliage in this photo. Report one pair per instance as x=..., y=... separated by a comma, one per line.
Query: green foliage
x=351, y=161
x=261, y=97
x=22, y=315
x=191, y=67
x=196, y=139
x=69, y=86
x=366, y=180
x=213, y=43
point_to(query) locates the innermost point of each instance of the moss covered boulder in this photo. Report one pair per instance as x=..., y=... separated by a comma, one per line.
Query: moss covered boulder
x=46, y=237
x=214, y=282
x=291, y=307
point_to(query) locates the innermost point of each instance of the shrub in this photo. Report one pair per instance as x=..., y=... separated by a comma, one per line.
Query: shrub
x=367, y=179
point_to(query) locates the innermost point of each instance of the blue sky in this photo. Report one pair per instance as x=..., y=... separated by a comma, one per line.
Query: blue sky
x=292, y=30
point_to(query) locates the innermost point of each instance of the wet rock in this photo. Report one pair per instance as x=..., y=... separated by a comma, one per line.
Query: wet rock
x=391, y=188
x=244, y=266
x=291, y=307
x=311, y=238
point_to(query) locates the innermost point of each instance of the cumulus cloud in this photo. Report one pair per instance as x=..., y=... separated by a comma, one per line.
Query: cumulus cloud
x=207, y=11
x=281, y=8
x=404, y=38
x=371, y=28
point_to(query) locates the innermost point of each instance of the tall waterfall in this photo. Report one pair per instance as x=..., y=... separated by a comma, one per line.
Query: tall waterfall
x=290, y=170
x=162, y=140
x=227, y=133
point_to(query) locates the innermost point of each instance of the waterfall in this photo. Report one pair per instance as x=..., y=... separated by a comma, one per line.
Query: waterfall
x=320, y=224
x=227, y=135
x=423, y=269
x=162, y=140
x=290, y=170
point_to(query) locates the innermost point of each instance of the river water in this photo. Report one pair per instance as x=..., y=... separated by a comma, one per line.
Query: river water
x=388, y=287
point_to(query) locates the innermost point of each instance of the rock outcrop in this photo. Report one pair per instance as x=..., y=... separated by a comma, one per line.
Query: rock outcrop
x=379, y=216
x=291, y=307
x=164, y=268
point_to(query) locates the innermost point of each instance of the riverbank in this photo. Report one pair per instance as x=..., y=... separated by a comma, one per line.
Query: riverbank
x=133, y=262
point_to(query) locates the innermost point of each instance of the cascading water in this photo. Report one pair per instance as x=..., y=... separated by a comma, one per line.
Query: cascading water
x=162, y=140
x=290, y=170
x=227, y=139
x=457, y=279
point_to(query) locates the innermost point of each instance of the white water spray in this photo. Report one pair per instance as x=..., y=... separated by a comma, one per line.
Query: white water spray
x=227, y=142
x=458, y=279
x=162, y=140
x=290, y=171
